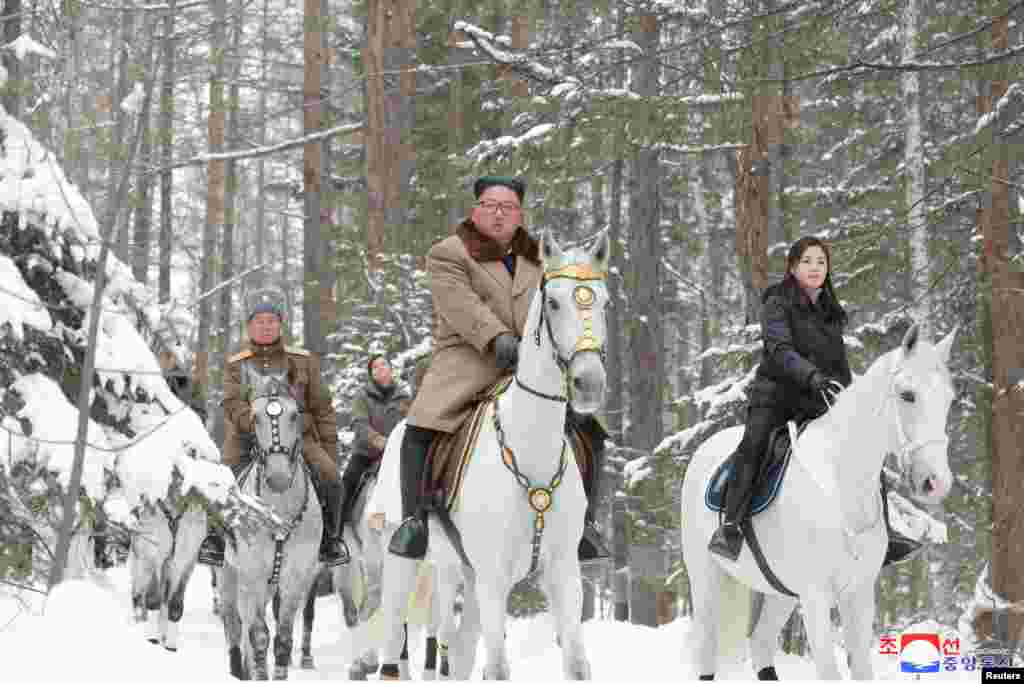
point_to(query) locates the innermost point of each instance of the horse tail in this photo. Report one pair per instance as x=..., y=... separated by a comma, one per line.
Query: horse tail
x=735, y=601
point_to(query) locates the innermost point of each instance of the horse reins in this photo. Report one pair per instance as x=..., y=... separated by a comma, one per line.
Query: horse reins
x=540, y=498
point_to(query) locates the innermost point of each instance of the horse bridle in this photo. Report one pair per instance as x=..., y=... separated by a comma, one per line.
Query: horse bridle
x=907, y=445
x=274, y=409
x=583, y=295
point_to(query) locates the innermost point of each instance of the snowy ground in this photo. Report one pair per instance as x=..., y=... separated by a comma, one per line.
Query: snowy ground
x=87, y=632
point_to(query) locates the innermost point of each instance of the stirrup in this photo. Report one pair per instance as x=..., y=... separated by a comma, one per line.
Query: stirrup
x=727, y=541
x=410, y=539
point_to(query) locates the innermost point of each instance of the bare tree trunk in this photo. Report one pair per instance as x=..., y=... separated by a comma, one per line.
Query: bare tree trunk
x=12, y=29
x=167, y=154
x=914, y=162
x=144, y=209
x=215, y=215
x=615, y=405
x=227, y=246
x=646, y=337
x=1007, y=306
x=311, y=175
x=122, y=237
x=261, y=202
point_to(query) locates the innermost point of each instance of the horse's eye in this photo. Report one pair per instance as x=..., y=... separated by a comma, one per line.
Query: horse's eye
x=908, y=396
x=553, y=304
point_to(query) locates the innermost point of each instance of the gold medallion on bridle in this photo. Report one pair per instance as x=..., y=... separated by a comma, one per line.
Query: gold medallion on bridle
x=584, y=296
x=540, y=499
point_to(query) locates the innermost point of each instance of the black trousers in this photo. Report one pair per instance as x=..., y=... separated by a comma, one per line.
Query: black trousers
x=761, y=421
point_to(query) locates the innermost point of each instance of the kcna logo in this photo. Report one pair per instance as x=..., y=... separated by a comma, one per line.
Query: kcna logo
x=920, y=653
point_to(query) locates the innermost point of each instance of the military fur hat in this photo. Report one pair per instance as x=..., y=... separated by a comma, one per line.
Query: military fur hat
x=265, y=300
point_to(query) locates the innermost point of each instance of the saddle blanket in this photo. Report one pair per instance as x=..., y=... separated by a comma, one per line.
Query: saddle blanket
x=449, y=459
x=768, y=482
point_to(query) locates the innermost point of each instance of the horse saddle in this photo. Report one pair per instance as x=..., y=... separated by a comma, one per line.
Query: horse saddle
x=774, y=464
x=450, y=453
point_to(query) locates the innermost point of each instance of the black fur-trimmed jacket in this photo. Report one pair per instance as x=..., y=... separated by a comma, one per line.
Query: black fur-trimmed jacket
x=798, y=340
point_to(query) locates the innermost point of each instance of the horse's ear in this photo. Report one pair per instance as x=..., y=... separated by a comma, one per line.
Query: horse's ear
x=550, y=251
x=600, y=251
x=910, y=340
x=946, y=345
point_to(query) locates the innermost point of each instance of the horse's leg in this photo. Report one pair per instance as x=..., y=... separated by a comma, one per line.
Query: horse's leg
x=155, y=610
x=447, y=629
x=857, y=609
x=775, y=611
x=215, y=591
x=433, y=624
x=232, y=625
x=399, y=581
x=403, y=657
x=493, y=598
x=308, y=614
x=564, y=589
x=817, y=608
x=462, y=648
x=252, y=605
x=705, y=585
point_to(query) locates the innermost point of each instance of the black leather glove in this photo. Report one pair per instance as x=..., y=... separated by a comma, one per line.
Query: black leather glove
x=821, y=383
x=506, y=351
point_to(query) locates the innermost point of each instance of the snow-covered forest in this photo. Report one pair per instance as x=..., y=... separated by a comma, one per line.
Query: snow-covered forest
x=182, y=153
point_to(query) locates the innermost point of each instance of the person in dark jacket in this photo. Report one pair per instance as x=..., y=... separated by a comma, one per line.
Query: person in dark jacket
x=803, y=367
x=376, y=411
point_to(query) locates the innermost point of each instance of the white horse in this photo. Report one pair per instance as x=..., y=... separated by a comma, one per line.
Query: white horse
x=824, y=535
x=164, y=550
x=522, y=502
x=266, y=565
x=366, y=540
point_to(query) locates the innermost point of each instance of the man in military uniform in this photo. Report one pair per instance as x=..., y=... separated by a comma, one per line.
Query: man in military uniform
x=482, y=281
x=265, y=353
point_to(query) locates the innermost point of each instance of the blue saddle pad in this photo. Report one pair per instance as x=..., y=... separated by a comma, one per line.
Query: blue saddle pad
x=768, y=484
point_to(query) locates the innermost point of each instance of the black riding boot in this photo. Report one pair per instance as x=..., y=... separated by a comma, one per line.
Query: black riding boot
x=901, y=547
x=592, y=546
x=211, y=552
x=333, y=550
x=410, y=539
x=728, y=538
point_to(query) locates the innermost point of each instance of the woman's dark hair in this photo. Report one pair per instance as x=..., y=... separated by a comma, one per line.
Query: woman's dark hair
x=369, y=363
x=827, y=300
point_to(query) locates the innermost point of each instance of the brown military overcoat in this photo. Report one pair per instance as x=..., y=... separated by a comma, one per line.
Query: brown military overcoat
x=475, y=299
x=320, y=425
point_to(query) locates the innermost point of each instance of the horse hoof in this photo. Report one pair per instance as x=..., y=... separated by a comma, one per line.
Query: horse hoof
x=153, y=640
x=280, y=673
x=307, y=662
x=170, y=649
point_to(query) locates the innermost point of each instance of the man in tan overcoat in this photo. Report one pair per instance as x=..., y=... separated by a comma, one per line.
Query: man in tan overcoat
x=482, y=281
x=265, y=352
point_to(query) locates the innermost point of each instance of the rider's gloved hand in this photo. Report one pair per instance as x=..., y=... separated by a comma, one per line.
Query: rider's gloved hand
x=506, y=351
x=821, y=383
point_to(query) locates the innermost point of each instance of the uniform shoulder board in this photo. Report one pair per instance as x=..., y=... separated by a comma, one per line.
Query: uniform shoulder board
x=297, y=351
x=241, y=356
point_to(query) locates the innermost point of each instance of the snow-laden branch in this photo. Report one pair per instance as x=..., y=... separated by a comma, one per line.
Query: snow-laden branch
x=1004, y=111
x=264, y=151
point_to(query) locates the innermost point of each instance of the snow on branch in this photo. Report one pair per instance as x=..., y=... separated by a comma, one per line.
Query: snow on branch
x=25, y=45
x=263, y=151
x=1005, y=111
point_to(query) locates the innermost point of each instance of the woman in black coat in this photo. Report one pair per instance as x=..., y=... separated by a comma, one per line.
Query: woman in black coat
x=804, y=363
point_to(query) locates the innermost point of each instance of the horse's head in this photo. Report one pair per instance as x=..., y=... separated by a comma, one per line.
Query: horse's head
x=278, y=427
x=922, y=391
x=574, y=294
